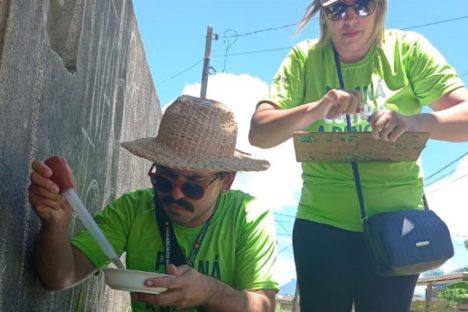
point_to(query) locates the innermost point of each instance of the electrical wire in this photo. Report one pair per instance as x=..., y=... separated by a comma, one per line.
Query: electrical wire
x=437, y=22
x=427, y=184
x=284, y=215
x=295, y=25
x=283, y=227
x=180, y=73
x=288, y=48
x=229, y=44
x=284, y=249
x=446, y=166
x=259, y=31
x=450, y=182
x=253, y=52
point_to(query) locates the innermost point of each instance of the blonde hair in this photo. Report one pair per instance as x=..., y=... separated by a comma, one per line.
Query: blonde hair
x=314, y=7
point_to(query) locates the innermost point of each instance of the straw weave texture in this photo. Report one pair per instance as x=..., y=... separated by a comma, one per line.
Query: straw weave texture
x=196, y=134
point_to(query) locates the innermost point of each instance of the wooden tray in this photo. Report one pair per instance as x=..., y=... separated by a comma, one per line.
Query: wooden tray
x=358, y=146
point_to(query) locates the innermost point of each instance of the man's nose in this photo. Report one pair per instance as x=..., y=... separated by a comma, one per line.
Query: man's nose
x=177, y=190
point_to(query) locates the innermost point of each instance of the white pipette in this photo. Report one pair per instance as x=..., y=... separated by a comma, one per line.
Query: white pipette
x=62, y=176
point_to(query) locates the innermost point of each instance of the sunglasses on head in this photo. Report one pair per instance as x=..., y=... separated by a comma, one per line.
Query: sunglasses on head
x=190, y=189
x=337, y=11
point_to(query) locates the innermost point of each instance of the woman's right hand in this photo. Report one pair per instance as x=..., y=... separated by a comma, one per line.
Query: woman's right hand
x=271, y=125
x=45, y=198
x=335, y=103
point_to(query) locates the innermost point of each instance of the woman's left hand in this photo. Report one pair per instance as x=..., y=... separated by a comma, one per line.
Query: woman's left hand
x=389, y=125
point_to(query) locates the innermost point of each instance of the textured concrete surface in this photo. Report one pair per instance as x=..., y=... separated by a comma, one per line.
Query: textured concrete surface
x=73, y=82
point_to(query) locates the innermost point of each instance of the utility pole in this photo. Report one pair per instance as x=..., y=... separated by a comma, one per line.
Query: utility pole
x=206, y=63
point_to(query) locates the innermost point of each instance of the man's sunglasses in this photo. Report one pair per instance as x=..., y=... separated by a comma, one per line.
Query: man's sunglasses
x=165, y=184
x=337, y=11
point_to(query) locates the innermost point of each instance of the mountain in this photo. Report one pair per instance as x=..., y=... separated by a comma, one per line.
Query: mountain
x=288, y=289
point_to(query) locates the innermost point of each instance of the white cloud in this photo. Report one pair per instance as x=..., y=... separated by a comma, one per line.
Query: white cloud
x=449, y=197
x=285, y=270
x=280, y=185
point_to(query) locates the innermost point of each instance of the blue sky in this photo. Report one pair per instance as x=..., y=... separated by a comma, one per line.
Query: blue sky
x=173, y=34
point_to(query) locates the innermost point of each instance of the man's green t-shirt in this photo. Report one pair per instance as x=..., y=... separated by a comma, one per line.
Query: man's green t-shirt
x=239, y=247
x=403, y=74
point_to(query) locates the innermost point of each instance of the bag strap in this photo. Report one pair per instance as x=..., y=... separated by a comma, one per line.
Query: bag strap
x=354, y=165
x=426, y=206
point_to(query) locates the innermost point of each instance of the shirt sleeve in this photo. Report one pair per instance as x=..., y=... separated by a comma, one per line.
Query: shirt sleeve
x=288, y=85
x=430, y=74
x=256, y=253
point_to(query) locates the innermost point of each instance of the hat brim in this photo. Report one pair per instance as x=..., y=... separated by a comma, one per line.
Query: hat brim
x=149, y=149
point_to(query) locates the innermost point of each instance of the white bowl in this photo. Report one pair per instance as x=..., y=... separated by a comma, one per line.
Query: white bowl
x=131, y=280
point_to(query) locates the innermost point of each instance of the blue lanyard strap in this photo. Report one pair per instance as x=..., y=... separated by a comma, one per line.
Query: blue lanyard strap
x=172, y=251
x=198, y=242
x=196, y=246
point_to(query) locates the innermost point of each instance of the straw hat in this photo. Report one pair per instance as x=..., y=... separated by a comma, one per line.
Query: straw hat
x=196, y=134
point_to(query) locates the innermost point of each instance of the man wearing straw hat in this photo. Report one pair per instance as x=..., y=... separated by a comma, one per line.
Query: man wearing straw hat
x=217, y=244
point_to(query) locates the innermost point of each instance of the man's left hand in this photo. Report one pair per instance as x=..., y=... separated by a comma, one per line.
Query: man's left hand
x=186, y=288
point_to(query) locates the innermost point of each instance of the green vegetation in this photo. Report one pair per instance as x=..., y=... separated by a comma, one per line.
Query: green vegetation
x=455, y=293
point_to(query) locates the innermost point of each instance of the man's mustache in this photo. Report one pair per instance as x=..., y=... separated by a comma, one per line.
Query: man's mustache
x=168, y=200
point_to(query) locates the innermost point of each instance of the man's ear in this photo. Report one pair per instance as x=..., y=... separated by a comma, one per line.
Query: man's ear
x=228, y=180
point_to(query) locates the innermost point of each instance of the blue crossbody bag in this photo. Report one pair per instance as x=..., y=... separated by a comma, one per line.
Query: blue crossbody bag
x=404, y=242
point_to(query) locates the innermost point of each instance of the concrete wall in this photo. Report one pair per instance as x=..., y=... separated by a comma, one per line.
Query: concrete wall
x=73, y=82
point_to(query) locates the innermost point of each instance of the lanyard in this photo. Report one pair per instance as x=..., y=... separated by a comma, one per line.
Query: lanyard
x=196, y=246
x=172, y=251
x=171, y=246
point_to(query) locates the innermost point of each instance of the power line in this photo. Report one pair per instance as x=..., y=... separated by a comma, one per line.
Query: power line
x=260, y=31
x=437, y=22
x=284, y=215
x=427, y=184
x=229, y=44
x=284, y=228
x=224, y=55
x=254, y=52
x=288, y=48
x=284, y=249
x=295, y=25
x=450, y=182
x=446, y=166
x=180, y=73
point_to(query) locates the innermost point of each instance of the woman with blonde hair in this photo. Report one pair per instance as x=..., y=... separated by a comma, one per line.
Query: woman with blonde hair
x=388, y=77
